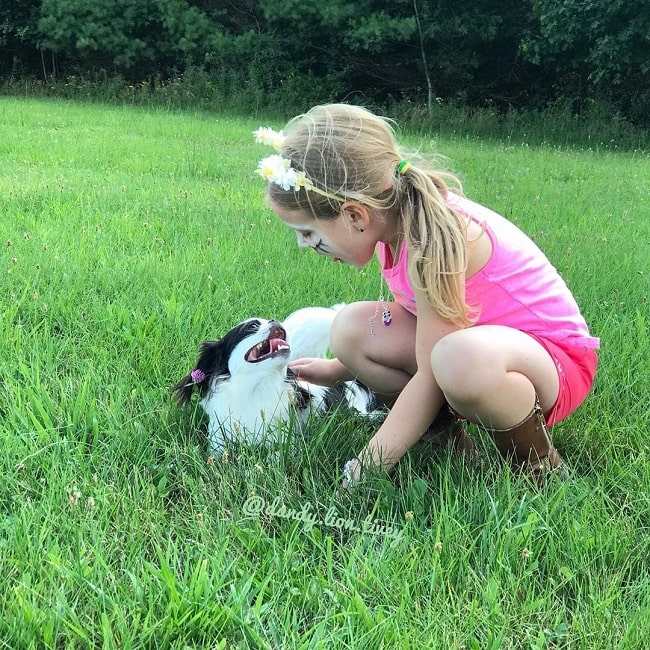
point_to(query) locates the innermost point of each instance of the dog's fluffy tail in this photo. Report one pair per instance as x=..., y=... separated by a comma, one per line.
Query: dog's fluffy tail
x=308, y=331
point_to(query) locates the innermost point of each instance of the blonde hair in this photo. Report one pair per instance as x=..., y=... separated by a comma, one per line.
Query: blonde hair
x=352, y=155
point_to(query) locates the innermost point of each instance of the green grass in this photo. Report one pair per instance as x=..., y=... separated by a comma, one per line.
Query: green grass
x=128, y=236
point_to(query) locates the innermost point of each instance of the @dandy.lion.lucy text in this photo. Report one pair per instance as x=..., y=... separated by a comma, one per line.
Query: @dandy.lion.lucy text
x=256, y=505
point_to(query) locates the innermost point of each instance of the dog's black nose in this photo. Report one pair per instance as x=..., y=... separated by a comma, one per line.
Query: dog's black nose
x=277, y=331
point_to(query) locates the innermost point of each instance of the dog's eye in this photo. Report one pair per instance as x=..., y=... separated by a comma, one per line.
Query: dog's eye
x=252, y=327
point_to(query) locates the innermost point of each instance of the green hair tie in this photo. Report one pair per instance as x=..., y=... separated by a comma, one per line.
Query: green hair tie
x=403, y=167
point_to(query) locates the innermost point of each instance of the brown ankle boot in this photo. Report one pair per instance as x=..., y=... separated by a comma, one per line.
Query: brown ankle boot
x=529, y=448
x=448, y=427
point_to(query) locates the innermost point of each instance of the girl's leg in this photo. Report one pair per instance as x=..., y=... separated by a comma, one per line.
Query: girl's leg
x=382, y=357
x=491, y=374
x=504, y=380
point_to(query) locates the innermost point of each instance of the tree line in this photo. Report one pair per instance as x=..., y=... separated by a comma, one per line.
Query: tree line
x=521, y=54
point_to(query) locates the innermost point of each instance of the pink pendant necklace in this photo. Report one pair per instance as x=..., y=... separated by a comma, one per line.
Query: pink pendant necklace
x=386, y=316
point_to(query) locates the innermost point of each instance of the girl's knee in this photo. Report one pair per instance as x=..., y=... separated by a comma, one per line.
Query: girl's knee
x=456, y=361
x=348, y=328
x=448, y=351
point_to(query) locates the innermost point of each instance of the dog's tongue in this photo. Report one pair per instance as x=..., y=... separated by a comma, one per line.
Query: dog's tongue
x=277, y=344
x=267, y=349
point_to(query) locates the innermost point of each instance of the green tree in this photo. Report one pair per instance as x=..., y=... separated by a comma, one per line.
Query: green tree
x=599, y=48
x=463, y=49
x=127, y=35
x=18, y=37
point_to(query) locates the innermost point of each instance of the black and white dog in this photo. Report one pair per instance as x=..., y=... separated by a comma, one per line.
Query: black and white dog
x=247, y=389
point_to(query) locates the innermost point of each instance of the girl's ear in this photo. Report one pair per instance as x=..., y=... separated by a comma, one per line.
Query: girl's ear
x=356, y=214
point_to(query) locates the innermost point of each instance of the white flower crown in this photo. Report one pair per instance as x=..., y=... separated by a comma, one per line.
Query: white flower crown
x=277, y=169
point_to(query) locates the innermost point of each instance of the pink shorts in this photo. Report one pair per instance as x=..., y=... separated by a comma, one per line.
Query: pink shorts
x=576, y=369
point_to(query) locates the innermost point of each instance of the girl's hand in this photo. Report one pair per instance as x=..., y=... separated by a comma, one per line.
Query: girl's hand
x=324, y=372
x=351, y=474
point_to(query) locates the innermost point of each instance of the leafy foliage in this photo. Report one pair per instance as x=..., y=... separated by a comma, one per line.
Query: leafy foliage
x=602, y=44
x=475, y=52
x=125, y=34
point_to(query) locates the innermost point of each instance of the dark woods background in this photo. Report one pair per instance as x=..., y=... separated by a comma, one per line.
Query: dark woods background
x=528, y=54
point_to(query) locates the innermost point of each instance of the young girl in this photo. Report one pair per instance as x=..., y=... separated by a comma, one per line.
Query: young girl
x=480, y=319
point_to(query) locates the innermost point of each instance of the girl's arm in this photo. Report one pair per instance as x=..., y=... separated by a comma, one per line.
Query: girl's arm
x=418, y=403
x=324, y=372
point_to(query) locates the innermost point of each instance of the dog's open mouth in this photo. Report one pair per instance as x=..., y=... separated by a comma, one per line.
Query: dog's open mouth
x=271, y=347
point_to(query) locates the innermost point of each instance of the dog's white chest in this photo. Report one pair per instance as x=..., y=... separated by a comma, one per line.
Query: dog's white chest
x=238, y=410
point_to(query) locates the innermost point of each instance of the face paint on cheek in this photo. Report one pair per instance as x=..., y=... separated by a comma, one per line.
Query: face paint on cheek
x=321, y=247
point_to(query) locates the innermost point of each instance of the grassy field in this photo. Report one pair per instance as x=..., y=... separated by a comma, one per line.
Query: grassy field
x=130, y=235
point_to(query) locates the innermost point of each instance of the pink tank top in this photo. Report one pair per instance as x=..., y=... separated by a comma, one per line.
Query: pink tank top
x=518, y=287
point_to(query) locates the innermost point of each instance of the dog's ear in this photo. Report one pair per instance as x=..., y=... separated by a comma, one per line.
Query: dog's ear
x=182, y=391
x=212, y=361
